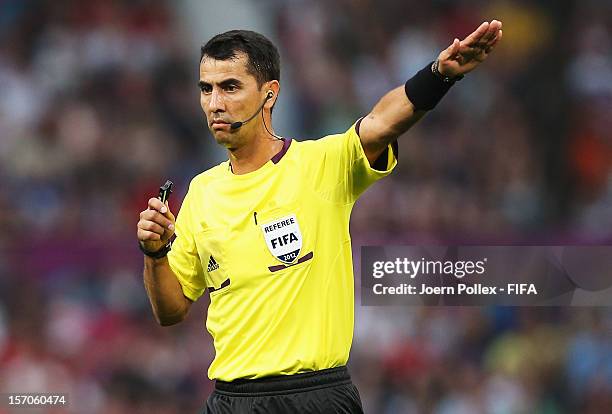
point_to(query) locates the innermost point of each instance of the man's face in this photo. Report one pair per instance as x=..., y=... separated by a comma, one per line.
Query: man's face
x=228, y=94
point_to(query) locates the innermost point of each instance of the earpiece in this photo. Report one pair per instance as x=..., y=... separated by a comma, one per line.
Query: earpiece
x=270, y=95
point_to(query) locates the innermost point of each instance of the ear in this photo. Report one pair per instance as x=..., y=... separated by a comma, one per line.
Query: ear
x=272, y=89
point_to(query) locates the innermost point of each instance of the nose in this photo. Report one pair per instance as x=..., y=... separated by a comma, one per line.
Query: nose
x=216, y=102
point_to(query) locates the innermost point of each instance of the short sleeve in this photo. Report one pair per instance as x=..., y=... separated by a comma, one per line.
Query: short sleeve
x=183, y=258
x=340, y=170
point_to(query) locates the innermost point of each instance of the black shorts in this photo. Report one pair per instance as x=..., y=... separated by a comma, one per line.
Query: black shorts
x=328, y=391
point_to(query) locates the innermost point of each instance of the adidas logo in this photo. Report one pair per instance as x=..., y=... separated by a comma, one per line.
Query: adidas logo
x=212, y=264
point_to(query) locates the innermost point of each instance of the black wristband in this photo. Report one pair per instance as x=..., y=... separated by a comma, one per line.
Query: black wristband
x=158, y=254
x=426, y=89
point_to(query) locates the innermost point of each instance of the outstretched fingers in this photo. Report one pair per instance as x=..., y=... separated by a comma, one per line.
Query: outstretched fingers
x=476, y=35
x=463, y=56
x=482, y=40
x=484, y=35
x=490, y=37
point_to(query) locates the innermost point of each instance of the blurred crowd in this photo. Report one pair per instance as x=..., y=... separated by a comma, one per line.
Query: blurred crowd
x=99, y=105
x=519, y=149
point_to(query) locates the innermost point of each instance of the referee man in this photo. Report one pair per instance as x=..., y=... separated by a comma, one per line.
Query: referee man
x=267, y=231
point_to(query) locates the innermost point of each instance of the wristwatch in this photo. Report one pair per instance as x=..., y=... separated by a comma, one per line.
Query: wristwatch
x=445, y=79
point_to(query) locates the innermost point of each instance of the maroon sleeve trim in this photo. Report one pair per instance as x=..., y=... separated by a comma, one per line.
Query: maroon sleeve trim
x=381, y=162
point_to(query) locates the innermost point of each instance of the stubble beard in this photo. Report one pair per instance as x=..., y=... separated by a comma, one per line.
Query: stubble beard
x=226, y=139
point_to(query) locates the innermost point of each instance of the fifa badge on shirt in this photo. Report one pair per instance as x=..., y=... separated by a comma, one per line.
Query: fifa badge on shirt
x=283, y=238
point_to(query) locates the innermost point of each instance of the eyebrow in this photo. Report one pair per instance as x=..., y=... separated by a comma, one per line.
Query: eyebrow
x=223, y=83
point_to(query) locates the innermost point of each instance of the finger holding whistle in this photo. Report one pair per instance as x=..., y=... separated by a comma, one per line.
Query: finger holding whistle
x=157, y=223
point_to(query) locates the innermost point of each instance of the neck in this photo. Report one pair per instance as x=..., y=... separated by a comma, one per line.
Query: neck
x=254, y=154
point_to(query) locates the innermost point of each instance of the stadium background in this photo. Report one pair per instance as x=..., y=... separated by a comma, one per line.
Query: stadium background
x=99, y=105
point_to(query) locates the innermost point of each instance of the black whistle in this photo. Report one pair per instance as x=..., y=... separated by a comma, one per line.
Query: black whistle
x=165, y=191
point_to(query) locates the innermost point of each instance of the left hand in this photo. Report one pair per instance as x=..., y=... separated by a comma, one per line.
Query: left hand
x=462, y=56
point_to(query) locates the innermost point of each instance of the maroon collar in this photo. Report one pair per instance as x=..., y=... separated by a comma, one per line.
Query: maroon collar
x=283, y=151
x=275, y=159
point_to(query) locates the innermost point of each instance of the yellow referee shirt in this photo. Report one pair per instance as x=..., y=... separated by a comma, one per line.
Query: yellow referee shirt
x=273, y=249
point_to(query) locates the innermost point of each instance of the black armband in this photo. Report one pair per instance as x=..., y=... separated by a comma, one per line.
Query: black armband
x=158, y=254
x=428, y=87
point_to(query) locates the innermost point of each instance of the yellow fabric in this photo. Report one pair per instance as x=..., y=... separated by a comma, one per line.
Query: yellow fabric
x=292, y=320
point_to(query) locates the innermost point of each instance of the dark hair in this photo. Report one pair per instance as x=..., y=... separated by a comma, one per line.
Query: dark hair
x=264, y=60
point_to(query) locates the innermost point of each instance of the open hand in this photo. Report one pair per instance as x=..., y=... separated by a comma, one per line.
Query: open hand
x=462, y=56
